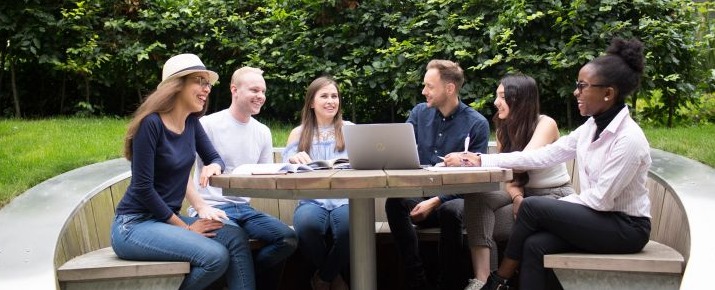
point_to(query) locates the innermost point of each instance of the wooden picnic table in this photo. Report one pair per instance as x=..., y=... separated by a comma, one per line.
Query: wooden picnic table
x=362, y=187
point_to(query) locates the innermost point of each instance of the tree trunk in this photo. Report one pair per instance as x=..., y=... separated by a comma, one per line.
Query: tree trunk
x=671, y=104
x=86, y=88
x=15, y=96
x=2, y=71
x=63, y=93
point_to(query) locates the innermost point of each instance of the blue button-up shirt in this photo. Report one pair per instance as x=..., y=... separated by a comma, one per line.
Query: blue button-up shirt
x=438, y=135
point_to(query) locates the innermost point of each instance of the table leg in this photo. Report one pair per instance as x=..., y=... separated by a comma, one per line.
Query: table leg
x=363, y=274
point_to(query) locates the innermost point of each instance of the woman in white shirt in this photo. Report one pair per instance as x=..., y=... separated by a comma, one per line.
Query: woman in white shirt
x=612, y=212
x=490, y=216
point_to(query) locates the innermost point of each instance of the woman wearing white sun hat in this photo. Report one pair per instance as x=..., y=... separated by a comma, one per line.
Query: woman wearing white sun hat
x=162, y=141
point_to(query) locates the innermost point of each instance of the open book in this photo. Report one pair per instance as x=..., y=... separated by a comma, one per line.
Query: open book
x=271, y=168
x=336, y=163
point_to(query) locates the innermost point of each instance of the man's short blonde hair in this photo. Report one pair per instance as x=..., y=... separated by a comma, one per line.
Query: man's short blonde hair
x=239, y=73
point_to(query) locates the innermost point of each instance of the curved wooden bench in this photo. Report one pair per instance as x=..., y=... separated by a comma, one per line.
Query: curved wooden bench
x=662, y=262
x=69, y=216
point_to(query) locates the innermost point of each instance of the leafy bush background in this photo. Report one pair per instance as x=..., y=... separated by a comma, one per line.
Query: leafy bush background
x=102, y=57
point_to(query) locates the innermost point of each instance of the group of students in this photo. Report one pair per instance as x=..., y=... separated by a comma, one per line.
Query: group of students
x=537, y=213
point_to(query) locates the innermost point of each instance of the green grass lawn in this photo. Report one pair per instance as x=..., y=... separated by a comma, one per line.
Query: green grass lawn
x=35, y=150
x=692, y=142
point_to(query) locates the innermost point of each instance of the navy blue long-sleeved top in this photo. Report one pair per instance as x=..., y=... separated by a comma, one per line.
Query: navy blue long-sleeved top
x=161, y=163
x=438, y=135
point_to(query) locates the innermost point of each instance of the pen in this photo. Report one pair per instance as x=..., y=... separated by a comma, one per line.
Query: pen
x=466, y=144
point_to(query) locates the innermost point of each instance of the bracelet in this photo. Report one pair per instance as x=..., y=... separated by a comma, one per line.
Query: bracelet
x=514, y=197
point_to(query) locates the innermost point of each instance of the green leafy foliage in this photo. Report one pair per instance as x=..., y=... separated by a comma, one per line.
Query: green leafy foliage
x=376, y=49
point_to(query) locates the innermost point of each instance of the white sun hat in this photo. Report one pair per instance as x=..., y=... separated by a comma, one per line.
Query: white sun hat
x=183, y=64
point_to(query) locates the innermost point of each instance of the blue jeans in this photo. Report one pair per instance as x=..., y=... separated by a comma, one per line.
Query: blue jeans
x=281, y=241
x=141, y=237
x=313, y=224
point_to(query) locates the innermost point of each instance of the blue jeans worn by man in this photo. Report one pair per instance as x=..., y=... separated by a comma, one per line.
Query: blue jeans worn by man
x=280, y=241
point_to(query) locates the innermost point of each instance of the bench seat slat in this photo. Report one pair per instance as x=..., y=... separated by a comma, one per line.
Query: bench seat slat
x=655, y=258
x=104, y=264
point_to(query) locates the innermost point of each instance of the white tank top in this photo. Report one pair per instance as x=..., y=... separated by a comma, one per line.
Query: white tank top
x=548, y=177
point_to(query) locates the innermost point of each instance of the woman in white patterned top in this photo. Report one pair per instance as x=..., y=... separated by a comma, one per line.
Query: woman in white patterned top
x=322, y=225
x=612, y=212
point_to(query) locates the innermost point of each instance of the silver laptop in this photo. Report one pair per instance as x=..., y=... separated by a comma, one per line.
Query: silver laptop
x=381, y=146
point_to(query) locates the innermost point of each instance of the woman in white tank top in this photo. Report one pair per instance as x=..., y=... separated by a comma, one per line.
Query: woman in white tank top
x=519, y=126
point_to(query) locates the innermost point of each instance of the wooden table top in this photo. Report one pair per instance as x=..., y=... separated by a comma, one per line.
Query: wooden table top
x=359, y=183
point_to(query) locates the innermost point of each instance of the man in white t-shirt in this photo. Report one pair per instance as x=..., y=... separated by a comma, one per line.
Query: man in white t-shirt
x=241, y=139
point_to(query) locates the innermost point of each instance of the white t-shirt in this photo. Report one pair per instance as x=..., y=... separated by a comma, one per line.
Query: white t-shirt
x=237, y=143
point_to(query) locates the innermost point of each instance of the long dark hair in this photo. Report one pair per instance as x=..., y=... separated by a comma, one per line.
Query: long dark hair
x=309, y=121
x=515, y=131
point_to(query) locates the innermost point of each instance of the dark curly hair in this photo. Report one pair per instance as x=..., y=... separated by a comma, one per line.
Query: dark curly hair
x=621, y=67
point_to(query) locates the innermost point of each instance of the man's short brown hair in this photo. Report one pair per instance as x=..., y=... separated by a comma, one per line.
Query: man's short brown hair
x=449, y=71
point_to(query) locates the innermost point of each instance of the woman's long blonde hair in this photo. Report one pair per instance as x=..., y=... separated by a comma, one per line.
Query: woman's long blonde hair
x=309, y=121
x=160, y=101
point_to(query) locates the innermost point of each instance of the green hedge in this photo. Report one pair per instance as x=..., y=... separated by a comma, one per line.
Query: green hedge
x=104, y=55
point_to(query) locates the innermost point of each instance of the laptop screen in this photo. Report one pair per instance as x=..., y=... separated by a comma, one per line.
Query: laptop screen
x=381, y=146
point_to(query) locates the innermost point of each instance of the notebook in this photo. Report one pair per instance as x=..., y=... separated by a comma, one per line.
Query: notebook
x=381, y=146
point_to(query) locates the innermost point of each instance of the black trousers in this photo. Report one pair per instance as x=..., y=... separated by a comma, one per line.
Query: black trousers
x=548, y=226
x=448, y=217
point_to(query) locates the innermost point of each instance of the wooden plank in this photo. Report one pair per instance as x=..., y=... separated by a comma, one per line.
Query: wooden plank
x=60, y=255
x=466, y=177
x=501, y=176
x=277, y=155
x=266, y=205
x=655, y=258
x=118, y=190
x=575, y=178
x=72, y=240
x=221, y=181
x=380, y=215
x=656, y=192
x=570, y=166
x=319, y=179
x=286, y=208
x=88, y=228
x=253, y=181
x=674, y=229
x=104, y=264
x=352, y=179
x=103, y=210
x=412, y=178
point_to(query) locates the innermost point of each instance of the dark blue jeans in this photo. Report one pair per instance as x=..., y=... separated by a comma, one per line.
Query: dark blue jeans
x=448, y=217
x=313, y=224
x=141, y=237
x=280, y=241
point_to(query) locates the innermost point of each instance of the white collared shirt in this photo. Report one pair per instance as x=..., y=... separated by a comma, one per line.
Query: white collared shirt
x=612, y=170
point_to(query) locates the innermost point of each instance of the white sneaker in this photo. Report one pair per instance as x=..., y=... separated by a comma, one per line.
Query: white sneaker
x=474, y=284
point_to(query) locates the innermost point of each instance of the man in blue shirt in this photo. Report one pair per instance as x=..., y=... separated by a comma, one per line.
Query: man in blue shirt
x=441, y=126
